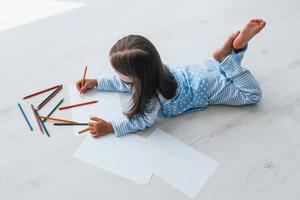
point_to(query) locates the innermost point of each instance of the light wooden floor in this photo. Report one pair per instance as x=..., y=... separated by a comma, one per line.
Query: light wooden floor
x=257, y=147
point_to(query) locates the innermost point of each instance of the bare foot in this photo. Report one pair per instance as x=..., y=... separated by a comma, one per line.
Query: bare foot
x=253, y=27
x=221, y=53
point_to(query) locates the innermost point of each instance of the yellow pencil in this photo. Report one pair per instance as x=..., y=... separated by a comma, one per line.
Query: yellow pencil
x=84, y=75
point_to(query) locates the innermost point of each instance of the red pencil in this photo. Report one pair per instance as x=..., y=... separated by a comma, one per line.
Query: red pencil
x=40, y=92
x=49, y=97
x=76, y=105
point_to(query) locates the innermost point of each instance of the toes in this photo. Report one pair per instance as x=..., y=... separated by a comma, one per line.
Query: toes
x=256, y=20
x=262, y=24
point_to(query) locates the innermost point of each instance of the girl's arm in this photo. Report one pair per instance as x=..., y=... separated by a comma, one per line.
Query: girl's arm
x=125, y=126
x=112, y=83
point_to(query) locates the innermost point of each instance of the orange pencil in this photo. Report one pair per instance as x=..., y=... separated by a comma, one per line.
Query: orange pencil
x=76, y=105
x=59, y=120
x=84, y=130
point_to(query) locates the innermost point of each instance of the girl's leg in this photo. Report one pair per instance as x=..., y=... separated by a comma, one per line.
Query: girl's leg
x=235, y=85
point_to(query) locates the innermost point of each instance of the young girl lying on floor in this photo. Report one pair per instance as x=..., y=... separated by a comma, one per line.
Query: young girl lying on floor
x=160, y=90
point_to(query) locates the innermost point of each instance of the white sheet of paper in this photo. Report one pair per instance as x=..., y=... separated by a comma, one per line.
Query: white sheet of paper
x=121, y=156
x=108, y=106
x=177, y=163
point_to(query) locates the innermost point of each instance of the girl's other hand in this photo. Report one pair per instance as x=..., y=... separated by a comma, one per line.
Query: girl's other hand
x=99, y=127
x=88, y=84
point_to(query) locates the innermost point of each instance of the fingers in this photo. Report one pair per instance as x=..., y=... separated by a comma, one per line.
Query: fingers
x=78, y=85
x=84, y=88
x=91, y=124
x=95, y=119
x=94, y=134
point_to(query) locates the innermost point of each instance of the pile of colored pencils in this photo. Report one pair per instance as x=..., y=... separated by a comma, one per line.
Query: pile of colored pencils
x=40, y=120
x=41, y=123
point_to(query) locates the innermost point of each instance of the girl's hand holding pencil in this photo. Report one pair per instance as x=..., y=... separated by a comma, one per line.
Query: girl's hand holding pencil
x=98, y=127
x=84, y=85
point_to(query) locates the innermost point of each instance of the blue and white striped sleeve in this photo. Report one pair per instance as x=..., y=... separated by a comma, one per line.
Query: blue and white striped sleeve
x=125, y=126
x=112, y=83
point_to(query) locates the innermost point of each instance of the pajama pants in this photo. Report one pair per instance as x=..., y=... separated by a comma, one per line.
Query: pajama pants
x=231, y=84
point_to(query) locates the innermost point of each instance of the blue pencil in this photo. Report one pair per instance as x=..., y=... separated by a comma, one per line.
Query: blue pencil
x=24, y=115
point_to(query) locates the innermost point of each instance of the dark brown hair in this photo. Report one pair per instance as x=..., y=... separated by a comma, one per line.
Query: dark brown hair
x=135, y=56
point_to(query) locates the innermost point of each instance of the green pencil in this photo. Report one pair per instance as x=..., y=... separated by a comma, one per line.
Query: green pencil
x=52, y=111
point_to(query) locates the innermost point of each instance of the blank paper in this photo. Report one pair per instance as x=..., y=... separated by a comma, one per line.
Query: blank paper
x=177, y=163
x=121, y=156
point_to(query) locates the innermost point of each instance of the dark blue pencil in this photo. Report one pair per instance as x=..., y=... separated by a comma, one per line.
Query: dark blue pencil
x=69, y=124
x=24, y=115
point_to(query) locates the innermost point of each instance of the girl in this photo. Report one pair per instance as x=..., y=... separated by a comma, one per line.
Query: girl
x=159, y=90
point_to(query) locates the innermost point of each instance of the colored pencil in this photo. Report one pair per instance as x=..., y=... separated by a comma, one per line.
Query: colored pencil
x=84, y=130
x=70, y=124
x=84, y=75
x=59, y=120
x=37, y=119
x=25, y=117
x=76, y=105
x=49, y=97
x=40, y=92
x=42, y=123
x=52, y=111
